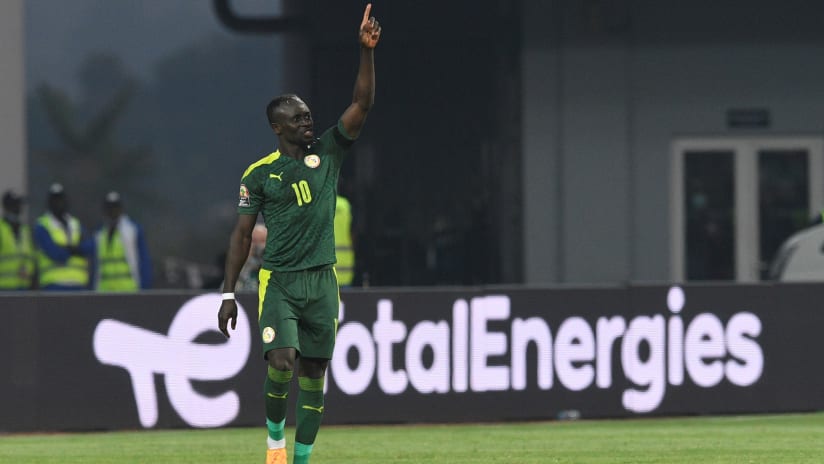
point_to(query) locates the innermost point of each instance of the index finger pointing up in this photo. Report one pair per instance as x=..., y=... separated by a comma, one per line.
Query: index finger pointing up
x=366, y=13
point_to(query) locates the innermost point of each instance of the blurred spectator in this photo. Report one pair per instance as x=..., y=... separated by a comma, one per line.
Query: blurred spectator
x=344, y=246
x=64, y=250
x=17, y=261
x=248, y=277
x=123, y=262
x=801, y=257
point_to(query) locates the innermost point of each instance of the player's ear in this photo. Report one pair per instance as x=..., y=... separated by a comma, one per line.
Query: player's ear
x=276, y=127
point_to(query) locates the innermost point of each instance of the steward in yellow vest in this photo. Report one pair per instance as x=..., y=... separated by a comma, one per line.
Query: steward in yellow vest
x=123, y=263
x=344, y=248
x=63, y=249
x=17, y=260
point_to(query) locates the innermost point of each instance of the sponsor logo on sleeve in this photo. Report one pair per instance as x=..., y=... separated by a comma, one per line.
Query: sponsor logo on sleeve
x=244, y=196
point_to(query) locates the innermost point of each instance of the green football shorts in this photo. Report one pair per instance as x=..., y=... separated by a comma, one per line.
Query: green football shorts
x=299, y=310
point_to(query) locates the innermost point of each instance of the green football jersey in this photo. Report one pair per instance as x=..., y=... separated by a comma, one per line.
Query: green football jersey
x=297, y=200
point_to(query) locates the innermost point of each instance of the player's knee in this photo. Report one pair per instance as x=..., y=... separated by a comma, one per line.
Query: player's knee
x=313, y=368
x=281, y=360
x=281, y=364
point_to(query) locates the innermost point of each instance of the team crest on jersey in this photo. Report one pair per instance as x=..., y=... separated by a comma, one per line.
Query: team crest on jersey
x=244, y=196
x=312, y=161
x=268, y=335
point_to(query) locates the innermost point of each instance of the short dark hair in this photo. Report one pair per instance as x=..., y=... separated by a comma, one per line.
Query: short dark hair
x=276, y=103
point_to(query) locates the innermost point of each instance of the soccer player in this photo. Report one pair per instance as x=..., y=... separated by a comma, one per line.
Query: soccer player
x=294, y=189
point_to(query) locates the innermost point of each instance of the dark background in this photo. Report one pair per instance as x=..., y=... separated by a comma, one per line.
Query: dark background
x=511, y=141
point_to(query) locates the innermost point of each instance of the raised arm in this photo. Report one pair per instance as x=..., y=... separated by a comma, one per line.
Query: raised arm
x=364, y=94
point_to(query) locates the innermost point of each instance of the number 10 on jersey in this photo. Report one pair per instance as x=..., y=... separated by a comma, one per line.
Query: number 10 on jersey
x=302, y=192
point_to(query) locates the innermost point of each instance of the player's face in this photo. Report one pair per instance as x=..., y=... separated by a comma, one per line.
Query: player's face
x=295, y=123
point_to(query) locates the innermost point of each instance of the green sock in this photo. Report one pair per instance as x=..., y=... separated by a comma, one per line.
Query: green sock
x=276, y=388
x=302, y=453
x=309, y=415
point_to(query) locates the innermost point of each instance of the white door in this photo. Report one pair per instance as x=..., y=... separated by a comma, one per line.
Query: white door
x=735, y=200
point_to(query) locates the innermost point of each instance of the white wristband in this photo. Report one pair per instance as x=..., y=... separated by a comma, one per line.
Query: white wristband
x=228, y=296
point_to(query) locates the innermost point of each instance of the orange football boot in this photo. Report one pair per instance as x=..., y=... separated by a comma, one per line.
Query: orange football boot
x=276, y=456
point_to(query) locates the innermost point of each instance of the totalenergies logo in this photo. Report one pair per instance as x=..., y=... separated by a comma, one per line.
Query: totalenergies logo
x=461, y=354
x=656, y=351
x=144, y=354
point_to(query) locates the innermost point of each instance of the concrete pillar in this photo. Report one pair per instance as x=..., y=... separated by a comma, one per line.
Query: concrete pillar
x=12, y=97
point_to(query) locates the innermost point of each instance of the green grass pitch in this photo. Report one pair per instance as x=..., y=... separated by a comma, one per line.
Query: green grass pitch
x=774, y=439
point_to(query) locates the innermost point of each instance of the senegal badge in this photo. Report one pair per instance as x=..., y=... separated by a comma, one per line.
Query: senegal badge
x=312, y=161
x=268, y=335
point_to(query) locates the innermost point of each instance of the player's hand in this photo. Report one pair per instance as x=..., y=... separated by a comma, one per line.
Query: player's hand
x=227, y=312
x=370, y=30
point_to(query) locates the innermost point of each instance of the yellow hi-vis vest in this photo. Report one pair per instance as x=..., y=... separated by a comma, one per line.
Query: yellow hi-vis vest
x=16, y=258
x=115, y=275
x=345, y=253
x=75, y=271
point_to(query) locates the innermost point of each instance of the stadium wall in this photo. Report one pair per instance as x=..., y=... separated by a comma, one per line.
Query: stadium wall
x=155, y=360
x=608, y=87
